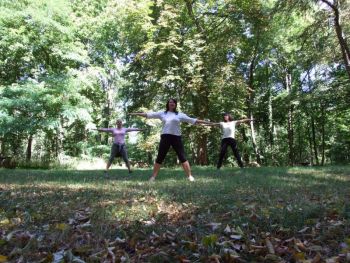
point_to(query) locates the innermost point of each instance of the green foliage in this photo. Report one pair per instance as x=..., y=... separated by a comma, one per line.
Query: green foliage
x=69, y=66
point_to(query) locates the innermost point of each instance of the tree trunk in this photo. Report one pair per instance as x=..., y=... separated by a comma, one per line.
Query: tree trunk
x=29, y=148
x=106, y=114
x=149, y=157
x=340, y=34
x=202, y=151
x=310, y=146
x=323, y=134
x=245, y=155
x=255, y=146
x=107, y=86
x=314, y=140
x=59, y=138
x=290, y=121
x=299, y=144
x=2, y=146
x=270, y=109
x=250, y=102
x=270, y=128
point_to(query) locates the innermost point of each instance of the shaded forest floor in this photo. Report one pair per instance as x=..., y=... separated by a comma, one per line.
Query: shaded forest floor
x=253, y=215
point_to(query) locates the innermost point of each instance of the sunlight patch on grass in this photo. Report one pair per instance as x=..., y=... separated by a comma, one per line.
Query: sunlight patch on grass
x=320, y=174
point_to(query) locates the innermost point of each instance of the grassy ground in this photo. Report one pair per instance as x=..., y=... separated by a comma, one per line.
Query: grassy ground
x=250, y=215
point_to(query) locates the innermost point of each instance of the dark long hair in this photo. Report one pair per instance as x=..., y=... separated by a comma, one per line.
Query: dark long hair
x=167, y=106
x=229, y=116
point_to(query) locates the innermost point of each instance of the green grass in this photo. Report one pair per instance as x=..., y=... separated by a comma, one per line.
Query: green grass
x=79, y=214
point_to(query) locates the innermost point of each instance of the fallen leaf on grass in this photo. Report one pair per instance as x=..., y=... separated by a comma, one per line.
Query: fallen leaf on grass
x=301, y=246
x=5, y=222
x=317, y=259
x=299, y=256
x=332, y=260
x=227, y=229
x=214, y=226
x=190, y=245
x=236, y=237
x=62, y=226
x=3, y=258
x=303, y=230
x=315, y=248
x=215, y=258
x=272, y=258
x=281, y=250
x=270, y=247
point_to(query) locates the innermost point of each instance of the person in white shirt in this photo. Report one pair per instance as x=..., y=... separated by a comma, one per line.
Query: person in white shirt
x=171, y=135
x=118, y=147
x=228, y=127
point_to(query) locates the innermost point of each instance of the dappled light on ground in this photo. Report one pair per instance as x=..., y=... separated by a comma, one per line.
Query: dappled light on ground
x=266, y=214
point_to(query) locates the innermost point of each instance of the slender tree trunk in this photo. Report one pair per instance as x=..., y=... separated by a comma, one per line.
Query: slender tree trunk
x=314, y=140
x=270, y=113
x=149, y=157
x=2, y=146
x=340, y=34
x=202, y=153
x=255, y=146
x=299, y=144
x=29, y=148
x=245, y=155
x=106, y=114
x=310, y=146
x=291, y=135
x=290, y=120
x=323, y=134
x=59, y=138
x=271, y=135
x=250, y=102
x=107, y=86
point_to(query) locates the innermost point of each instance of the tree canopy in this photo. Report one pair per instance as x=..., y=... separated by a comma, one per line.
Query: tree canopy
x=68, y=66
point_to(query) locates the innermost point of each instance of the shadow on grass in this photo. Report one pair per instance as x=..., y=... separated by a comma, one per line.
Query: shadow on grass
x=265, y=199
x=231, y=187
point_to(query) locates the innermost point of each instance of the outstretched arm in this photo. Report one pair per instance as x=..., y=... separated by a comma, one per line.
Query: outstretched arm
x=102, y=129
x=142, y=114
x=244, y=120
x=134, y=129
x=208, y=123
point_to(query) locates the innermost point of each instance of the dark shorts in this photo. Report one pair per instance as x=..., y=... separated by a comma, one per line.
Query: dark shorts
x=118, y=150
x=167, y=140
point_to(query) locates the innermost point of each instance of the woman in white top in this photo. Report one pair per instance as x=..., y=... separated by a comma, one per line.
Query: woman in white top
x=171, y=135
x=228, y=127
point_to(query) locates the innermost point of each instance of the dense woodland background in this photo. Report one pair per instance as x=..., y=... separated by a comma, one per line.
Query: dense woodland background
x=67, y=66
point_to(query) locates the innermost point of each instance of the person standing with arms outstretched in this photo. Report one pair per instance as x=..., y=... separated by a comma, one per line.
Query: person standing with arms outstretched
x=118, y=147
x=171, y=135
x=228, y=127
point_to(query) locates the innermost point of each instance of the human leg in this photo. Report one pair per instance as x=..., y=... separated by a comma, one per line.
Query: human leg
x=163, y=149
x=187, y=168
x=178, y=146
x=114, y=151
x=223, y=150
x=233, y=144
x=124, y=154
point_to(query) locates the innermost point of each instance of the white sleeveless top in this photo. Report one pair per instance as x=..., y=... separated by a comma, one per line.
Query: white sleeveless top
x=228, y=129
